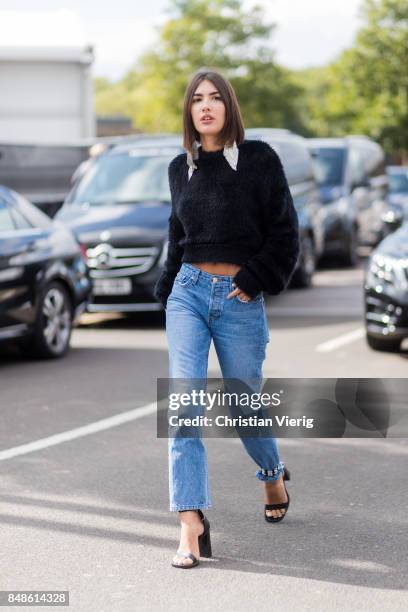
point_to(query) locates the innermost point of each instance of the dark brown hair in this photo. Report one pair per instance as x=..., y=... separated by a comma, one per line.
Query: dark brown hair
x=233, y=126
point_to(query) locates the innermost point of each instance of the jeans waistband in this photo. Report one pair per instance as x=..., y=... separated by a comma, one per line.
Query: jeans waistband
x=196, y=273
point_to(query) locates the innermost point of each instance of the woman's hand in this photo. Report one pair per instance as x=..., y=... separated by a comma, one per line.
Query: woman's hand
x=237, y=291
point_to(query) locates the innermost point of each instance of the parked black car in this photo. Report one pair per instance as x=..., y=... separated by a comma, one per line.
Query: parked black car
x=44, y=279
x=386, y=292
x=293, y=152
x=351, y=176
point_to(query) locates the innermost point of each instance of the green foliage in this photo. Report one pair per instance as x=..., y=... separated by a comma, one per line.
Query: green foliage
x=216, y=34
x=366, y=89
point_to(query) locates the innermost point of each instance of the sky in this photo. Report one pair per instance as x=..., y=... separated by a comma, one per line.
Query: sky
x=307, y=33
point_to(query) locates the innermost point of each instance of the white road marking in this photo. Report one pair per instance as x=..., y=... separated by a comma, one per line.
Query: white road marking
x=79, y=432
x=331, y=345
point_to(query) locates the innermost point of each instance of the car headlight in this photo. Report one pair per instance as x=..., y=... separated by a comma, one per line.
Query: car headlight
x=388, y=269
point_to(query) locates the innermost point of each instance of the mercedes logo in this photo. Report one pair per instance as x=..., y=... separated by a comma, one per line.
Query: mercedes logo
x=103, y=256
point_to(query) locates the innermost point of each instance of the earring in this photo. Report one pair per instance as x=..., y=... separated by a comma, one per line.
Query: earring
x=231, y=154
x=196, y=144
x=191, y=157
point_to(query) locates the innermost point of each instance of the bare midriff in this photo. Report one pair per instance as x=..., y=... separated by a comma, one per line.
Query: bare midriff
x=218, y=268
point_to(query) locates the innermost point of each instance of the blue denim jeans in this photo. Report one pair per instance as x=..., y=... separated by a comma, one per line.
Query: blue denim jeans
x=198, y=310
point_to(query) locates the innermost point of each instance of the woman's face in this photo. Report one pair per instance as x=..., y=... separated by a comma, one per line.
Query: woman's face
x=207, y=102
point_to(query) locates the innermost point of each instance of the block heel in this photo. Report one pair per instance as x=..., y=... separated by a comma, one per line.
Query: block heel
x=204, y=540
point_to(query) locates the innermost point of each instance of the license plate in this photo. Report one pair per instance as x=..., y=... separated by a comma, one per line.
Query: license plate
x=112, y=286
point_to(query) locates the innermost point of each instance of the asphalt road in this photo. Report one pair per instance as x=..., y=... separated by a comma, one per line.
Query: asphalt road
x=86, y=510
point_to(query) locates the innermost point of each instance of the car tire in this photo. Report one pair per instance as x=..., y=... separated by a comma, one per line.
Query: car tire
x=379, y=344
x=53, y=326
x=303, y=275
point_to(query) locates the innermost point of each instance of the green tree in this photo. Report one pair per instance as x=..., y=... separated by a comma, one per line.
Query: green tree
x=215, y=34
x=366, y=89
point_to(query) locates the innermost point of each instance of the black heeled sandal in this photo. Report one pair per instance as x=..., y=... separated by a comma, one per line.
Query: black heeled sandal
x=204, y=544
x=283, y=505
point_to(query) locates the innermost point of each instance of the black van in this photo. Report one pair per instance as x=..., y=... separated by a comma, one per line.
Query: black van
x=351, y=175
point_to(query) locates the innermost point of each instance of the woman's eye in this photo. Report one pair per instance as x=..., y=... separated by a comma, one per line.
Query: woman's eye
x=215, y=97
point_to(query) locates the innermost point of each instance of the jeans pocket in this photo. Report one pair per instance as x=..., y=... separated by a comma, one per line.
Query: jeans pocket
x=183, y=279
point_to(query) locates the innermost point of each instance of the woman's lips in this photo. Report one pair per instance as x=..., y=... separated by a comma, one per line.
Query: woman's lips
x=206, y=120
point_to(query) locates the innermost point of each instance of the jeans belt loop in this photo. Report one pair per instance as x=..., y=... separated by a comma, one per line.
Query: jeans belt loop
x=195, y=275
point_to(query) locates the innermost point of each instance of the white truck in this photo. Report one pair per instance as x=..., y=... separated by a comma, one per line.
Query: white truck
x=47, y=120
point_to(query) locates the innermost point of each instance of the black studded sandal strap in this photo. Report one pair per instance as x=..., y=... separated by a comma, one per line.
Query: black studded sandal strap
x=276, y=506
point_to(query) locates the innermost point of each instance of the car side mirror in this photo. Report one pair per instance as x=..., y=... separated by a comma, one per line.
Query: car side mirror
x=392, y=219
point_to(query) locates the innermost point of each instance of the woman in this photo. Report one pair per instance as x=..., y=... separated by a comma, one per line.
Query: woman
x=233, y=233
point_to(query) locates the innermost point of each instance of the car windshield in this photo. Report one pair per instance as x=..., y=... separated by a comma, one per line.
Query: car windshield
x=328, y=164
x=130, y=177
x=398, y=183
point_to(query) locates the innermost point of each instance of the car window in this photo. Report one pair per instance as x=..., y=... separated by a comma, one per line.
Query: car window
x=328, y=164
x=6, y=221
x=398, y=182
x=126, y=177
x=19, y=220
x=29, y=212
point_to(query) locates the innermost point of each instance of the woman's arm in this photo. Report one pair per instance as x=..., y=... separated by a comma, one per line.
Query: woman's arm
x=172, y=265
x=272, y=267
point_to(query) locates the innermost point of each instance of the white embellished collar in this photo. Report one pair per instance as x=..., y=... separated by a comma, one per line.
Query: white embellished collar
x=231, y=154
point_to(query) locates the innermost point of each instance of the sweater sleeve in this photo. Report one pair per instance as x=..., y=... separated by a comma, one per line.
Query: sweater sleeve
x=164, y=284
x=272, y=267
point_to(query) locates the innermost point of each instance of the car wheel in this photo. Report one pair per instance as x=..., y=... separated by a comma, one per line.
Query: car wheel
x=53, y=326
x=303, y=274
x=379, y=344
x=350, y=257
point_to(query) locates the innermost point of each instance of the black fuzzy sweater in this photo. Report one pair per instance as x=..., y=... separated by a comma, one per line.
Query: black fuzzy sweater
x=244, y=216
